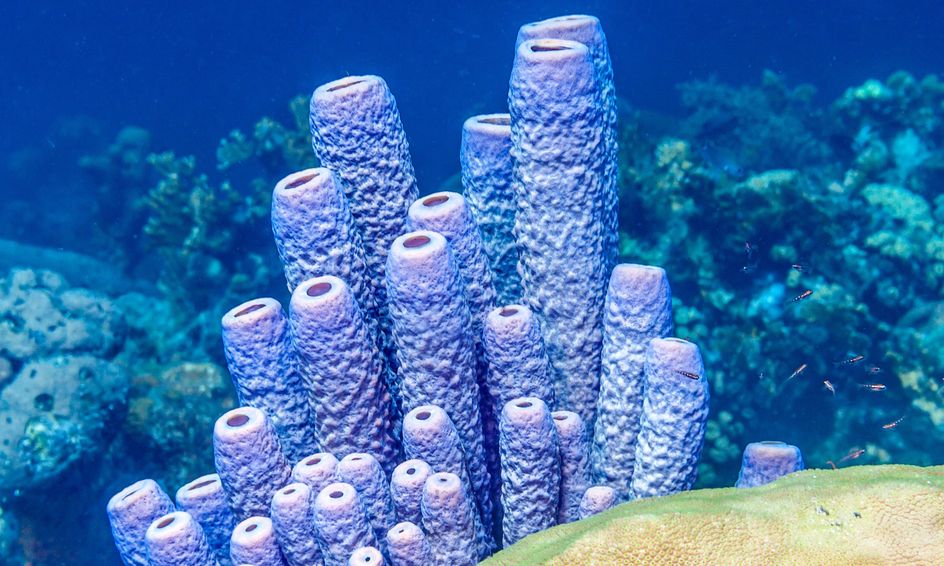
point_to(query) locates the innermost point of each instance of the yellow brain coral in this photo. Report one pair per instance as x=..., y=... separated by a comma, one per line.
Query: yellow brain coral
x=864, y=515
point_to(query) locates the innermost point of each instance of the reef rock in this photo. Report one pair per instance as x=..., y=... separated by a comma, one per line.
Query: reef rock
x=60, y=392
x=861, y=515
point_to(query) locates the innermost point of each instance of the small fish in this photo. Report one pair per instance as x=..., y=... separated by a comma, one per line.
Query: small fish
x=798, y=267
x=830, y=387
x=749, y=250
x=796, y=372
x=851, y=361
x=873, y=370
x=852, y=455
x=872, y=386
x=893, y=424
x=688, y=374
x=801, y=296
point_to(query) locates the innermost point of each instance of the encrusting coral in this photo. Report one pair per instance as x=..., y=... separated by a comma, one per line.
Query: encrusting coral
x=415, y=313
x=864, y=515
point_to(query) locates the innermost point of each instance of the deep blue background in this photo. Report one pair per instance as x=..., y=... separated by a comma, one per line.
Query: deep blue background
x=192, y=71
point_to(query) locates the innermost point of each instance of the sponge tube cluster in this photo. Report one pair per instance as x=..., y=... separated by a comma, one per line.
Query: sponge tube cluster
x=453, y=373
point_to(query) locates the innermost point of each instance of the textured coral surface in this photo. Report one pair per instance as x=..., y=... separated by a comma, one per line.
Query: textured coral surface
x=867, y=515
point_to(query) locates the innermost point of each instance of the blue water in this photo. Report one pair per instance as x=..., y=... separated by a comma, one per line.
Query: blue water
x=190, y=73
x=73, y=74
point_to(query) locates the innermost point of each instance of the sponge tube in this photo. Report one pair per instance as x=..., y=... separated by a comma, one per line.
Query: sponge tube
x=638, y=309
x=366, y=556
x=674, y=412
x=363, y=471
x=176, y=539
x=406, y=489
x=130, y=512
x=435, y=347
x=261, y=360
x=248, y=458
x=316, y=471
x=588, y=31
x=767, y=461
x=292, y=514
x=253, y=542
x=557, y=133
x=407, y=545
x=531, y=471
x=517, y=361
x=429, y=434
x=485, y=156
x=315, y=234
x=343, y=371
x=341, y=523
x=596, y=499
x=357, y=133
x=448, y=520
x=205, y=500
x=448, y=214
x=575, y=463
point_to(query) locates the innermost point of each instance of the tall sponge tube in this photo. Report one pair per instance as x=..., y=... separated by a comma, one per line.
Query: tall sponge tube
x=557, y=133
x=261, y=360
x=343, y=371
x=674, y=413
x=587, y=30
x=638, y=309
x=357, y=133
x=435, y=345
x=176, y=539
x=485, y=158
x=249, y=461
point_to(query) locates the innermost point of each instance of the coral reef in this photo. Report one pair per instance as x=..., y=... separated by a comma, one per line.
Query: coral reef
x=863, y=515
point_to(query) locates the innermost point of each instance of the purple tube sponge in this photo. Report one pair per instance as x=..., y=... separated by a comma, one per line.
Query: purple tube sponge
x=205, y=500
x=429, y=434
x=366, y=556
x=557, y=134
x=261, y=360
x=254, y=542
x=448, y=214
x=406, y=489
x=485, y=156
x=343, y=371
x=176, y=539
x=130, y=512
x=596, y=499
x=407, y=545
x=364, y=472
x=531, y=469
x=315, y=235
x=588, y=31
x=356, y=132
x=448, y=520
x=316, y=471
x=435, y=347
x=675, y=409
x=767, y=461
x=248, y=458
x=638, y=309
x=574, y=463
x=341, y=523
x=292, y=513
x=517, y=361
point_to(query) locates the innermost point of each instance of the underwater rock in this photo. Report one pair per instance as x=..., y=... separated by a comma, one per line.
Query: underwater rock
x=862, y=515
x=40, y=315
x=58, y=411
